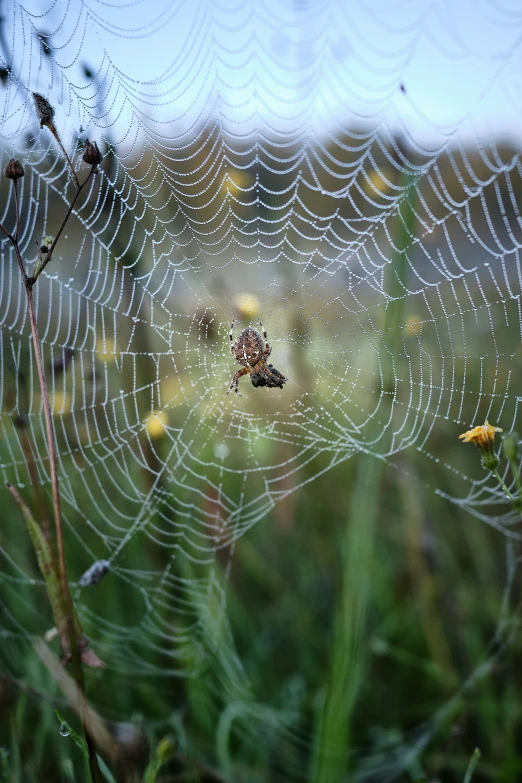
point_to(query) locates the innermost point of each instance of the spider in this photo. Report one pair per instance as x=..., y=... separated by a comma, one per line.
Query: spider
x=248, y=350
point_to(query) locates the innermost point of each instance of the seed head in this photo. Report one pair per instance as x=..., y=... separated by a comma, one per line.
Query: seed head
x=44, y=111
x=92, y=154
x=14, y=169
x=483, y=437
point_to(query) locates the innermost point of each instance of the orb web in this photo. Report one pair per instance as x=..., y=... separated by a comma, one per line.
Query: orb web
x=308, y=164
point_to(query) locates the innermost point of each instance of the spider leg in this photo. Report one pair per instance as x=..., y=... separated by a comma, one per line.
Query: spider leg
x=235, y=380
x=263, y=330
x=231, y=333
x=268, y=350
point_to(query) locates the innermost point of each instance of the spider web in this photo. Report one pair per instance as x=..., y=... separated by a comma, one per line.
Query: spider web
x=335, y=172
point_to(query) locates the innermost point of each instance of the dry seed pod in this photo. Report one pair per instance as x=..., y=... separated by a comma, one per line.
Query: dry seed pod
x=92, y=154
x=14, y=169
x=44, y=110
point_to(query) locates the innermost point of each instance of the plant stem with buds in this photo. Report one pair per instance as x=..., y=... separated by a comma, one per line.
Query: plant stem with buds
x=67, y=616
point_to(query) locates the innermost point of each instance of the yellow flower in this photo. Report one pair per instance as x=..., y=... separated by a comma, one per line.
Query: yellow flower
x=483, y=436
x=248, y=305
x=235, y=181
x=377, y=182
x=156, y=424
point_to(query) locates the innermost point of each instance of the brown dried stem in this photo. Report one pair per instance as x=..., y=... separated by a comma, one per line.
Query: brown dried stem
x=71, y=641
x=52, y=127
x=41, y=266
x=14, y=239
x=17, y=203
x=51, y=445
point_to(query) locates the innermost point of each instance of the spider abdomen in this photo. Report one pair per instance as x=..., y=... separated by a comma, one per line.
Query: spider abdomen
x=252, y=353
x=248, y=349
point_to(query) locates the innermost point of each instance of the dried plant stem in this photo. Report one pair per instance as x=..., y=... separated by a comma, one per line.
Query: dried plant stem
x=68, y=161
x=17, y=203
x=14, y=239
x=31, y=467
x=40, y=267
x=62, y=566
x=51, y=126
x=45, y=562
x=51, y=445
x=68, y=611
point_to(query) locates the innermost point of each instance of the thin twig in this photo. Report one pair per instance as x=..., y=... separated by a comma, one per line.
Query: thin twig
x=51, y=445
x=17, y=205
x=52, y=127
x=42, y=514
x=64, y=608
x=40, y=268
x=14, y=243
x=68, y=161
x=20, y=262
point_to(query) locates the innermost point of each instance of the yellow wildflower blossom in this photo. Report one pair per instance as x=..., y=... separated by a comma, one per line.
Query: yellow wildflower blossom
x=483, y=437
x=156, y=424
x=377, y=182
x=248, y=305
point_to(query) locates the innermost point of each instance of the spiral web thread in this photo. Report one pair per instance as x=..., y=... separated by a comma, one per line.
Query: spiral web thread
x=260, y=160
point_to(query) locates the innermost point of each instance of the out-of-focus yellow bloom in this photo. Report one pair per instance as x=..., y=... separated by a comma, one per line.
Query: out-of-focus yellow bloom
x=107, y=350
x=247, y=305
x=235, y=181
x=483, y=437
x=377, y=182
x=413, y=325
x=156, y=424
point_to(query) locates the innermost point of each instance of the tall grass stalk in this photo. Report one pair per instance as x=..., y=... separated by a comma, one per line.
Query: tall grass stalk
x=349, y=648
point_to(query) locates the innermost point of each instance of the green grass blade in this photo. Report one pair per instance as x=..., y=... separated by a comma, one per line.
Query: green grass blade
x=349, y=648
